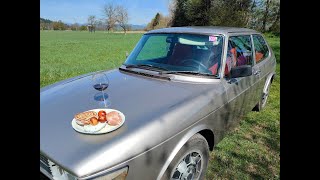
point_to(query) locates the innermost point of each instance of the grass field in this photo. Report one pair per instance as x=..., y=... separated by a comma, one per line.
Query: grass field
x=250, y=151
x=66, y=54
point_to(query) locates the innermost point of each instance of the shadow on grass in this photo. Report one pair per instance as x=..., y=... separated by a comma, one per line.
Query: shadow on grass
x=245, y=159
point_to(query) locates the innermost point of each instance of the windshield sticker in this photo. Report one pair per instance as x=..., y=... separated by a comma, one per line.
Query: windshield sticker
x=213, y=38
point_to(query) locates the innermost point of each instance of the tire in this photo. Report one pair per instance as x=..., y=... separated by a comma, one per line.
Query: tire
x=195, y=149
x=263, y=101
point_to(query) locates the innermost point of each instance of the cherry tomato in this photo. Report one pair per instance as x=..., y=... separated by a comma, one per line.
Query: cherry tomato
x=102, y=113
x=102, y=119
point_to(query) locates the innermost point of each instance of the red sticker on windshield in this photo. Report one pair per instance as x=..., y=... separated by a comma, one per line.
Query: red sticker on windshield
x=213, y=38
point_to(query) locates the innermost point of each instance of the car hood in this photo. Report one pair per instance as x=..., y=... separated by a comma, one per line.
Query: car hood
x=155, y=110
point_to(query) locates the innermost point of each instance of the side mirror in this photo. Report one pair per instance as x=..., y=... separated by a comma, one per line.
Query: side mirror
x=241, y=71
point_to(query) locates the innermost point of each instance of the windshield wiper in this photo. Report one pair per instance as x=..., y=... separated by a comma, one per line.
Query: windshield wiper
x=144, y=73
x=144, y=65
x=188, y=72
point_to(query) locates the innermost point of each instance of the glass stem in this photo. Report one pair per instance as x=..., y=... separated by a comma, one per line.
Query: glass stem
x=104, y=99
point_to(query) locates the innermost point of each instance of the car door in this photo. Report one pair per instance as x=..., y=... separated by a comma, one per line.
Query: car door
x=240, y=91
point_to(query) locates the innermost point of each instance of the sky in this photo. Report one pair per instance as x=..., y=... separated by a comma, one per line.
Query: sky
x=77, y=11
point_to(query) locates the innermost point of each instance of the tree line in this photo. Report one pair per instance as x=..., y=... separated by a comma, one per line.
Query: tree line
x=115, y=17
x=262, y=15
x=59, y=25
x=159, y=21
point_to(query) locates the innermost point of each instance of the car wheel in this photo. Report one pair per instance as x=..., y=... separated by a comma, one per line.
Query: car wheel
x=263, y=101
x=191, y=161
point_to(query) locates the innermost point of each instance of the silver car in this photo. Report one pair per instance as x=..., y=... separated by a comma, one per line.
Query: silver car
x=180, y=90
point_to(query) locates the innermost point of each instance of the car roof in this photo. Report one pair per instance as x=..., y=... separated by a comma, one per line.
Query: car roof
x=203, y=30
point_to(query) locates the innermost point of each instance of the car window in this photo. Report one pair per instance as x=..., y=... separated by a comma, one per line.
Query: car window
x=185, y=53
x=239, y=52
x=155, y=47
x=261, y=48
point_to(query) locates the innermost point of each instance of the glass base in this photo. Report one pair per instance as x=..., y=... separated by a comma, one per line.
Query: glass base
x=102, y=99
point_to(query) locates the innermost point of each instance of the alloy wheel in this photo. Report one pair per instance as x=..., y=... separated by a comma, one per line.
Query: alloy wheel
x=189, y=168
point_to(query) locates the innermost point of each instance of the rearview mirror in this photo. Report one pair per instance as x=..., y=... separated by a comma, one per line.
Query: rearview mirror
x=169, y=40
x=241, y=71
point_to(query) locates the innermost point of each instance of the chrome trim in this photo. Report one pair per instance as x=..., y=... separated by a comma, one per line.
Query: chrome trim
x=54, y=171
x=224, y=56
x=106, y=173
x=195, y=79
x=253, y=51
x=45, y=166
x=44, y=172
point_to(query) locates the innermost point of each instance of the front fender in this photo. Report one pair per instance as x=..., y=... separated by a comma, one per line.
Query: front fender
x=190, y=132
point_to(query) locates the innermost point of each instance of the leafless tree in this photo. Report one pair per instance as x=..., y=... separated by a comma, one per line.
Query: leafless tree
x=100, y=25
x=42, y=25
x=122, y=18
x=92, y=23
x=92, y=20
x=109, y=10
x=75, y=27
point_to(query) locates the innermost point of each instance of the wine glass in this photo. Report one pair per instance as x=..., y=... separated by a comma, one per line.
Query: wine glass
x=100, y=83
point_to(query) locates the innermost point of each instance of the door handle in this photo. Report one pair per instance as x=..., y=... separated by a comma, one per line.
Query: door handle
x=233, y=80
x=257, y=73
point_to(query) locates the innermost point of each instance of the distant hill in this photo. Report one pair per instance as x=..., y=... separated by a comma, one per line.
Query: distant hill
x=45, y=20
x=133, y=27
x=137, y=27
x=117, y=27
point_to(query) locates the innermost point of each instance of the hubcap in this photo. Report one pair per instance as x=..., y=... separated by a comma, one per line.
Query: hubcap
x=189, y=168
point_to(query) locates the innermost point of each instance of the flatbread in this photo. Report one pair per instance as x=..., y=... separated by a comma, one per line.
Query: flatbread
x=83, y=117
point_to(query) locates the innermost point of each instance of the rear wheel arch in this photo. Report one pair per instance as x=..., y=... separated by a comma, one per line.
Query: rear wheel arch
x=265, y=93
x=273, y=76
x=268, y=82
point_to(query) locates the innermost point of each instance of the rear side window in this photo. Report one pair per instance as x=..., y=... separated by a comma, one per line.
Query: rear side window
x=261, y=48
x=239, y=52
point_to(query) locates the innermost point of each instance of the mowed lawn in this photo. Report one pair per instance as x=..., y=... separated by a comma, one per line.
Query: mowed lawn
x=65, y=54
x=250, y=151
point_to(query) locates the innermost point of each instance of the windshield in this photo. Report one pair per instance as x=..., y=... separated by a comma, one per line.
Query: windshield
x=178, y=53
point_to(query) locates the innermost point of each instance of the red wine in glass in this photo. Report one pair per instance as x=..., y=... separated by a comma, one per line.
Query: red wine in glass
x=101, y=86
x=100, y=83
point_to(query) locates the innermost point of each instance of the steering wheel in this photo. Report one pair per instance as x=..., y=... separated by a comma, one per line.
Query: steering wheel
x=193, y=63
